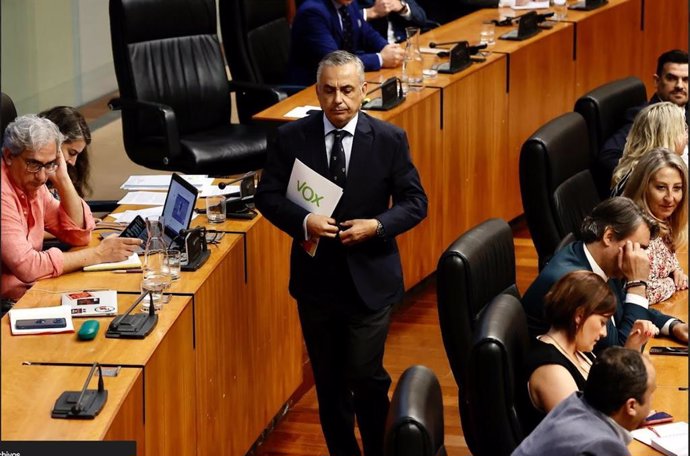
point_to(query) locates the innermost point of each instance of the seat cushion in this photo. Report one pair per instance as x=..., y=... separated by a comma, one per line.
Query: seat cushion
x=225, y=150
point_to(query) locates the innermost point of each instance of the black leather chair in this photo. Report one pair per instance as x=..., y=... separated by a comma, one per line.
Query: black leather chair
x=175, y=96
x=7, y=113
x=256, y=40
x=604, y=111
x=557, y=187
x=496, y=377
x=415, y=419
x=473, y=270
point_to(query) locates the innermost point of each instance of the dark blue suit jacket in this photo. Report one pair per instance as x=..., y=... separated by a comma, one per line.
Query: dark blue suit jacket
x=572, y=258
x=316, y=31
x=399, y=23
x=380, y=168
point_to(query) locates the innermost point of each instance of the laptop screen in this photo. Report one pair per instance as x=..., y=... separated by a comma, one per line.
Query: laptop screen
x=179, y=206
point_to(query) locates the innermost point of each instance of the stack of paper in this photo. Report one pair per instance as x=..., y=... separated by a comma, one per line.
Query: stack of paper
x=671, y=439
x=132, y=262
x=144, y=198
x=162, y=182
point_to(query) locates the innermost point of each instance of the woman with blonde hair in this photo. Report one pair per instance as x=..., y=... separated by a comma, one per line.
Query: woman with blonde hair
x=659, y=184
x=657, y=125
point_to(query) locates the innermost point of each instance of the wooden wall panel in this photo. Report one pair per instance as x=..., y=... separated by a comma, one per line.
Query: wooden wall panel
x=170, y=392
x=421, y=247
x=665, y=28
x=128, y=424
x=541, y=88
x=475, y=166
x=609, y=45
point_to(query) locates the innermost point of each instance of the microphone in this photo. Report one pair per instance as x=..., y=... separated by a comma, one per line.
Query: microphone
x=222, y=185
x=116, y=322
x=471, y=50
x=433, y=44
x=78, y=407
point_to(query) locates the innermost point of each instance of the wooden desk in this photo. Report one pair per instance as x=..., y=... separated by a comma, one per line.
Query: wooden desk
x=671, y=371
x=30, y=392
x=218, y=368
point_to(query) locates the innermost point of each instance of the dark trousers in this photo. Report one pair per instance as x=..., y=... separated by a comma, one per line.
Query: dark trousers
x=345, y=346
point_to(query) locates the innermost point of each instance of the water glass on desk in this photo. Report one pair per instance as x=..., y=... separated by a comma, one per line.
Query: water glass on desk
x=487, y=34
x=172, y=263
x=215, y=209
x=560, y=9
x=156, y=283
x=431, y=62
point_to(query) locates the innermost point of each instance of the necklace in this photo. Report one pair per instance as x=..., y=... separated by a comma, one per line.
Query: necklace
x=577, y=361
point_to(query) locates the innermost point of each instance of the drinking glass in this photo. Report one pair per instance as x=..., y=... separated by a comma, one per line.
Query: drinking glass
x=487, y=34
x=215, y=209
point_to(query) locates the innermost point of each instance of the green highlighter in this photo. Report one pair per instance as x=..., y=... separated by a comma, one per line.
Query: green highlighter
x=88, y=330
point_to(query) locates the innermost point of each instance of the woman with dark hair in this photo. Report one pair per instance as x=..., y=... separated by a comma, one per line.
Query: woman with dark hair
x=659, y=184
x=75, y=147
x=577, y=308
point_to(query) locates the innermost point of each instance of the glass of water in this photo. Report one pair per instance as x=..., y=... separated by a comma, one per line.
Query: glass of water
x=487, y=34
x=560, y=9
x=172, y=263
x=155, y=282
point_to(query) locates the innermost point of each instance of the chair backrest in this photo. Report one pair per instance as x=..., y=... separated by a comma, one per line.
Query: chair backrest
x=415, y=419
x=474, y=269
x=556, y=184
x=256, y=39
x=7, y=113
x=604, y=109
x=496, y=377
x=167, y=51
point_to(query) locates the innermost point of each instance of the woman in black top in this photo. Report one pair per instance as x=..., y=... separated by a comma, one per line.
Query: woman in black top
x=577, y=309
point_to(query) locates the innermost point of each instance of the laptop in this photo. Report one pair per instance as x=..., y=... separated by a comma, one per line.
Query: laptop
x=177, y=213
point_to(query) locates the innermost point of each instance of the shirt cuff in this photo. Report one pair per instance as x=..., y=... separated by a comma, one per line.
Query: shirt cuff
x=304, y=227
x=378, y=54
x=636, y=299
x=666, y=329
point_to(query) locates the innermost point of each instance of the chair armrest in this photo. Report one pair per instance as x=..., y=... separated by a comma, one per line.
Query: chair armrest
x=164, y=114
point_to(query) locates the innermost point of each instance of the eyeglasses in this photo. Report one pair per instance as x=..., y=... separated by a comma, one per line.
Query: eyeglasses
x=33, y=166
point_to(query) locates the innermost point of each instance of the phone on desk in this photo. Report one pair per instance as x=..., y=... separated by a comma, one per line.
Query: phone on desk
x=672, y=351
x=657, y=418
x=41, y=323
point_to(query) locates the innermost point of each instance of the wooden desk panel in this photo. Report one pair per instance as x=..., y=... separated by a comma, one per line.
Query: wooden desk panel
x=665, y=27
x=541, y=83
x=608, y=44
x=475, y=151
x=30, y=392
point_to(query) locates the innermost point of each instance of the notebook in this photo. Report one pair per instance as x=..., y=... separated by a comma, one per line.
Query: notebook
x=670, y=439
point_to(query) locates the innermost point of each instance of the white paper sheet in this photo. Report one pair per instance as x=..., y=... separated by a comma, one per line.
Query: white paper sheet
x=300, y=111
x=128, y=216
x=532, y=5
x=44, y=313
x=213, y=190
x=311, y=191
x=144, y=198
x=162, y=181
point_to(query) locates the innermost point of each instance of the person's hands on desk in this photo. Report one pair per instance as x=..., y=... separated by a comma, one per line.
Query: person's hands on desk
x=680, y=279
x=116, y=248
x=641, y=332
x=392, y=55
x=680, y=332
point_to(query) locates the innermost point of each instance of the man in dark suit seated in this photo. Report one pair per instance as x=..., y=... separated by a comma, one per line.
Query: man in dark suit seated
x=614, y=239
x=616, y=399
x=345, y=291
x=391, y=17
x=323, y=26
x=671, y=81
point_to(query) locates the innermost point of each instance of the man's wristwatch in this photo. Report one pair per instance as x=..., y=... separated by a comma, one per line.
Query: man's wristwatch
x=380, y=231
x=635, y=283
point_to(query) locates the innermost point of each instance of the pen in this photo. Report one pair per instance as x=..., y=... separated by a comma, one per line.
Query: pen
x=126, y=271
x=654, y=431
x=682, y=388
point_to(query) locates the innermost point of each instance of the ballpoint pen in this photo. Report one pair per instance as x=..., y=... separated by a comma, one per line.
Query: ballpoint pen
x=126, y=271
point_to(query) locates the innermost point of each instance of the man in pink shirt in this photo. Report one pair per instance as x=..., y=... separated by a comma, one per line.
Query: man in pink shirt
x=31, y=155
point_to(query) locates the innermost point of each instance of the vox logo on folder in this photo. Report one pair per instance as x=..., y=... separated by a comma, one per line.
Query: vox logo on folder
x=311, y=191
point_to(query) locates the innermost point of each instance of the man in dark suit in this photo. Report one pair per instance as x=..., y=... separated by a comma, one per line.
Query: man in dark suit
x=614, y=239
x=671, y=81
x=323, y=26
x=391, y=17
x=345, y=291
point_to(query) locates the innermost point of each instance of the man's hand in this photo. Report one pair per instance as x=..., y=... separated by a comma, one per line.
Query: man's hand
x=680, y=332
x=358, y=230
x=633, y=261
x=61, y=176
x=383, y=8
x=116, y=248
x=321, y=226
x=641, y=332
x=680, y=279
x=392, y=55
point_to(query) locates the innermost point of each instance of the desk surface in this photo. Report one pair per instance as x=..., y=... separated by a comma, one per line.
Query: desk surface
x=29, y=394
